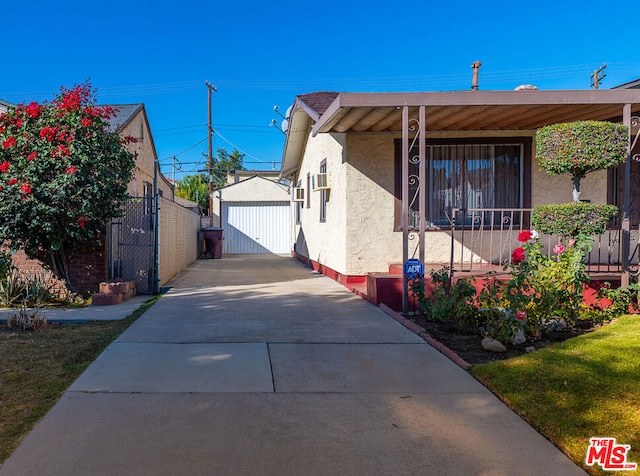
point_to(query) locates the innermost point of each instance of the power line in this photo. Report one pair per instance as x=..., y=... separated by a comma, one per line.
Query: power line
x=239, y=149
x=181, y=127
x=186, y=150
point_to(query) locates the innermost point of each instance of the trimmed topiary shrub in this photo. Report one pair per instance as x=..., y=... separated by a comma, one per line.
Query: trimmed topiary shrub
x=581, y=147
x=572, y=219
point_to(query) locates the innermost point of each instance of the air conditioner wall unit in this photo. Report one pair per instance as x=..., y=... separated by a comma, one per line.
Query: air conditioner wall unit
x=298, y=194
x=321, y=182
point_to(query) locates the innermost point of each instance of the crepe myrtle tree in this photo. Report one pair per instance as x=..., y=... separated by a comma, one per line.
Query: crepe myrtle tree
x=63, y=174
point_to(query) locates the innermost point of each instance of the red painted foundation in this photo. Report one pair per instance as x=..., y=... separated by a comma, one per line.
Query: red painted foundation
x=386, y=288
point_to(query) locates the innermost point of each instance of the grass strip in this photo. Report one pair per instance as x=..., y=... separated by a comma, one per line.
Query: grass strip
x=36, y=368
x=585, y=387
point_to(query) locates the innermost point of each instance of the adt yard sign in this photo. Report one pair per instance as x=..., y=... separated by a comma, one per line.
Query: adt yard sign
x=413, y=268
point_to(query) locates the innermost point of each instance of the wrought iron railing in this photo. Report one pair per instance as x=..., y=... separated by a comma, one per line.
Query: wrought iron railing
x=482, y=240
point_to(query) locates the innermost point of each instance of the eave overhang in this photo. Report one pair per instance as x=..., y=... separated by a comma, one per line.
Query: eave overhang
x=474, y=110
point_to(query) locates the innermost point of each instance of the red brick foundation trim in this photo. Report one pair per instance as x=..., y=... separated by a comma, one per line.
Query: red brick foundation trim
x=86, y=269
x=348, y=281
x=102, y=299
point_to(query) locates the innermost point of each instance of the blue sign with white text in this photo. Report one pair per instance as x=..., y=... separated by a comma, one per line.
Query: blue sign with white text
x=413, y=268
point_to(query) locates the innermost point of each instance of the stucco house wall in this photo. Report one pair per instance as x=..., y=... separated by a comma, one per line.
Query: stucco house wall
x=324, y=242
x=358, y=236
x=371, y=244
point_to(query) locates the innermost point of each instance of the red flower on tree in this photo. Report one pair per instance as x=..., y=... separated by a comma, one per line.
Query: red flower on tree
x=9, y=142
x=517, y=256
x=82, y=221
x=33, y=109
x=86, y=122
x=72, y=170
x=4, y=166
x=32, y=155
x=72, y=99
x=63, y=136
x=524, y=236
x=12, y=181
x=48, y=133
x=25, y=188
x=61, y=151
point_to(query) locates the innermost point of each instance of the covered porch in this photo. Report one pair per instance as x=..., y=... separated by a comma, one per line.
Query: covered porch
x=424, y=118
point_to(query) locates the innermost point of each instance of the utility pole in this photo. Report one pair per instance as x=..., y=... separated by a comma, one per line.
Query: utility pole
x=210, y=88
x=597, y=76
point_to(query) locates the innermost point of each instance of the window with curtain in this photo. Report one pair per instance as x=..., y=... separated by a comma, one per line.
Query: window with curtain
x=465, y=175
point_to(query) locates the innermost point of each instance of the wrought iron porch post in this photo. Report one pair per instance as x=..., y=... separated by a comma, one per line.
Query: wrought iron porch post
x=423, y=186
x=625, y=239
x=408, y=145
x=405, y=204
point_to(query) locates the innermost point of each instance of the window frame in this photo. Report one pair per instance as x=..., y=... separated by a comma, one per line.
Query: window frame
x=299, y=205
x=524, y=141
x=323, y=194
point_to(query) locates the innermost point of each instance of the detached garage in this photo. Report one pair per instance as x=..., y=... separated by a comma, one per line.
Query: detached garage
x=255, y=216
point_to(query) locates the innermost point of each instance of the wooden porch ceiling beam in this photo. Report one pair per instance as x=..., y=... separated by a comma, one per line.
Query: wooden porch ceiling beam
x=351, y=118
x=331, y=120
x=435, y=115
x=575, y=113
x=462, y=121
x=384, y=124
x=509, y=118
x=373, y=117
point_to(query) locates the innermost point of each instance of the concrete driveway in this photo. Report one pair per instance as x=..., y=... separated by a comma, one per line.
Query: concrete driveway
x=254, y=365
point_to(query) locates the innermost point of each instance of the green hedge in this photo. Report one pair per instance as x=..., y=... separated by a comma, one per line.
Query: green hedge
x=572, y=219
x=581, y=147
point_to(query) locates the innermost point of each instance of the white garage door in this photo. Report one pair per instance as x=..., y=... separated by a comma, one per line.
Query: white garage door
x=256, y=227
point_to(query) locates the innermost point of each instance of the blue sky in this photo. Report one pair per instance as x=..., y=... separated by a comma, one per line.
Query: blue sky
x=263, y=53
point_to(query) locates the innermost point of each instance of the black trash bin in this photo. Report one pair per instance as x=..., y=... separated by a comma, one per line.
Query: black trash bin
x=212, y=237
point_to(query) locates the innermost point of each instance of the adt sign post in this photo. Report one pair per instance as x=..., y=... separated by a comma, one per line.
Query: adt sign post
x=413, y=268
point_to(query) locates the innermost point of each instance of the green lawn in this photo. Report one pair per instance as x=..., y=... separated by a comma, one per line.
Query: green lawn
x=585, y=387
x=36, y=368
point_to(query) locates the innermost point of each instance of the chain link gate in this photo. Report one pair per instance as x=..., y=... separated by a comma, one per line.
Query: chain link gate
x=132, y=244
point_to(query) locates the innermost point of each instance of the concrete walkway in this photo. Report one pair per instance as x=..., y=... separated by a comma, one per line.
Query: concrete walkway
x=253, y=365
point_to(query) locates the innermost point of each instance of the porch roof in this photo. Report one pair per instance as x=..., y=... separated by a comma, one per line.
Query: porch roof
x=474, y=110
x=448, y=111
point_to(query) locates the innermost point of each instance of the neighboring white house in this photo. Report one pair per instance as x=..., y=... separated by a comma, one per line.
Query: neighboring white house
x=4, y=105
x=255, y=216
